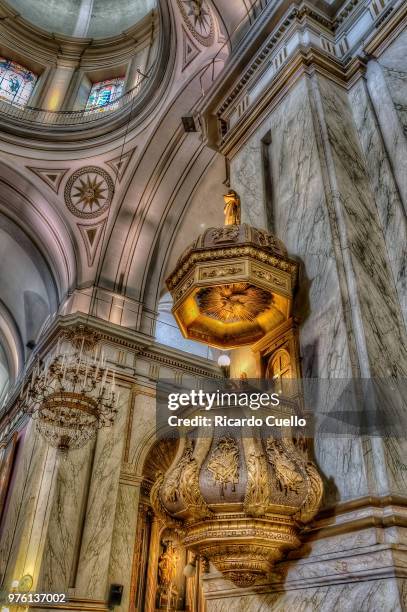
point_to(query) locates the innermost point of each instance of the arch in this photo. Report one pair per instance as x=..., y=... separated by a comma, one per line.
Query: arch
x=38, y=267
x=167, y=173
x=37, y=219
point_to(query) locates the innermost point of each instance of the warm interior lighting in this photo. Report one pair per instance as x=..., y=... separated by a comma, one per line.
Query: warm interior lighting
x=224, y=364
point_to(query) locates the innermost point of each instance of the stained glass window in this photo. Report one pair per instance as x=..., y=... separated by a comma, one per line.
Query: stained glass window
x=104, y=92
x=16, y=82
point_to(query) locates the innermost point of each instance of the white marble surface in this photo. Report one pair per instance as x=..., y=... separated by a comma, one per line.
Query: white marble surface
x=67, y=502
x=93, y=567
x=245, y=172
x=25, y=496
x=384, y=333
x=391, y=128
x=386, y=194
x=302, y=222
x=123, y=542
x=394, y=66
x=371, y=596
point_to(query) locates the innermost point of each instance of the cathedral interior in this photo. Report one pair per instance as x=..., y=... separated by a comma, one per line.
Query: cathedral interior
x=203, y=194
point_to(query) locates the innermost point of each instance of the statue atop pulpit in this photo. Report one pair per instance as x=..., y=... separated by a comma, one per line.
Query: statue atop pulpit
x=232, y=208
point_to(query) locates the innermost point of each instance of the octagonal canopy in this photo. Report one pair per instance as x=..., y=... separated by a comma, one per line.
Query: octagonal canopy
x=232, y=286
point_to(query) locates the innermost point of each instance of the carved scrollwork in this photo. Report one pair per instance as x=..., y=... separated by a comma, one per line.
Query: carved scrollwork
x=223, y=463
x=287, y=470
x=314, y=495
x=158, y=508
x=228, y=233
x=182, y=485
x=258, y=492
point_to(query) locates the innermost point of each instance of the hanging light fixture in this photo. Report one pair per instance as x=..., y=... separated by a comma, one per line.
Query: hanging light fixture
x=72, y=394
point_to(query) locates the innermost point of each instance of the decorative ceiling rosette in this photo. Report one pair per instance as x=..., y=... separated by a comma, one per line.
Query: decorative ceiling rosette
x=89, y=192
x=199, y=20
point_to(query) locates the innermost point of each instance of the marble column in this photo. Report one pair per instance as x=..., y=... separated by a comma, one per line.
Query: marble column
x=67, y=504
x=92, y=576
x=31, y=486
x=338, y=207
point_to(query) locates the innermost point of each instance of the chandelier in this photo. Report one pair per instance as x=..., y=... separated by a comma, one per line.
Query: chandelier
x=72, y=394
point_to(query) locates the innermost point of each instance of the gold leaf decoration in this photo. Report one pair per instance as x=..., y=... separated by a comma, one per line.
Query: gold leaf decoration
x=234, y=302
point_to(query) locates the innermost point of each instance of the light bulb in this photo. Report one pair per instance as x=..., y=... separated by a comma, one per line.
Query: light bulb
x=224, y=361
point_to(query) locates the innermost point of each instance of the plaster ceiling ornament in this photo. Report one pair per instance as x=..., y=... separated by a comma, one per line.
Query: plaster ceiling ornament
x=199, y=20
x=120, y=163
x=51, y=176
x=234, y=284
x=91, y=235
x=89, y=192
x=189, y=49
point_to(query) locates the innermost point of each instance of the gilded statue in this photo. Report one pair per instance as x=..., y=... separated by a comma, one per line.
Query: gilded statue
x=167, y=565
x=232, y=208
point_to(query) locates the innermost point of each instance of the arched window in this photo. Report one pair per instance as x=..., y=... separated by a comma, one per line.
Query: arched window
x=104, y=92
x=16, y=82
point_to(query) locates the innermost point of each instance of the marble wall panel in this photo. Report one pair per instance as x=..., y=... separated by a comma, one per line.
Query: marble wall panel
x=141, y=424
x=93, y=567
x=123, y=543
x=371, y=596
x=389, y=207
x=302, y=221
x=26, y=486
x=394, y=66
x=391, y=128
x=244, y=178
x=64, y=525
x=377, y=310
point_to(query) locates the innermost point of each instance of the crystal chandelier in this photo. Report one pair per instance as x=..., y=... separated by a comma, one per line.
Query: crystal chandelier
x=72, y=394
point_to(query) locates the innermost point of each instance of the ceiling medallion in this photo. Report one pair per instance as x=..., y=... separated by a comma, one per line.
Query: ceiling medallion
x=234, y=302
x=88, y=192
x=198, y=18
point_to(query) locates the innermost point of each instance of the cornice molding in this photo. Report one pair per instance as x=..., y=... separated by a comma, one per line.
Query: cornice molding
x=142, y=348
x=303, y=42
x=305, y=62
x=380, y=40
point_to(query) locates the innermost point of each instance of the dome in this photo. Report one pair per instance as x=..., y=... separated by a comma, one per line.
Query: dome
x=84, y=18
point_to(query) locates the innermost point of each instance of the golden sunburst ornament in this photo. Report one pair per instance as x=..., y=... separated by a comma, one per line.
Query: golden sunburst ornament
x=88, y=192
x=234, y=302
